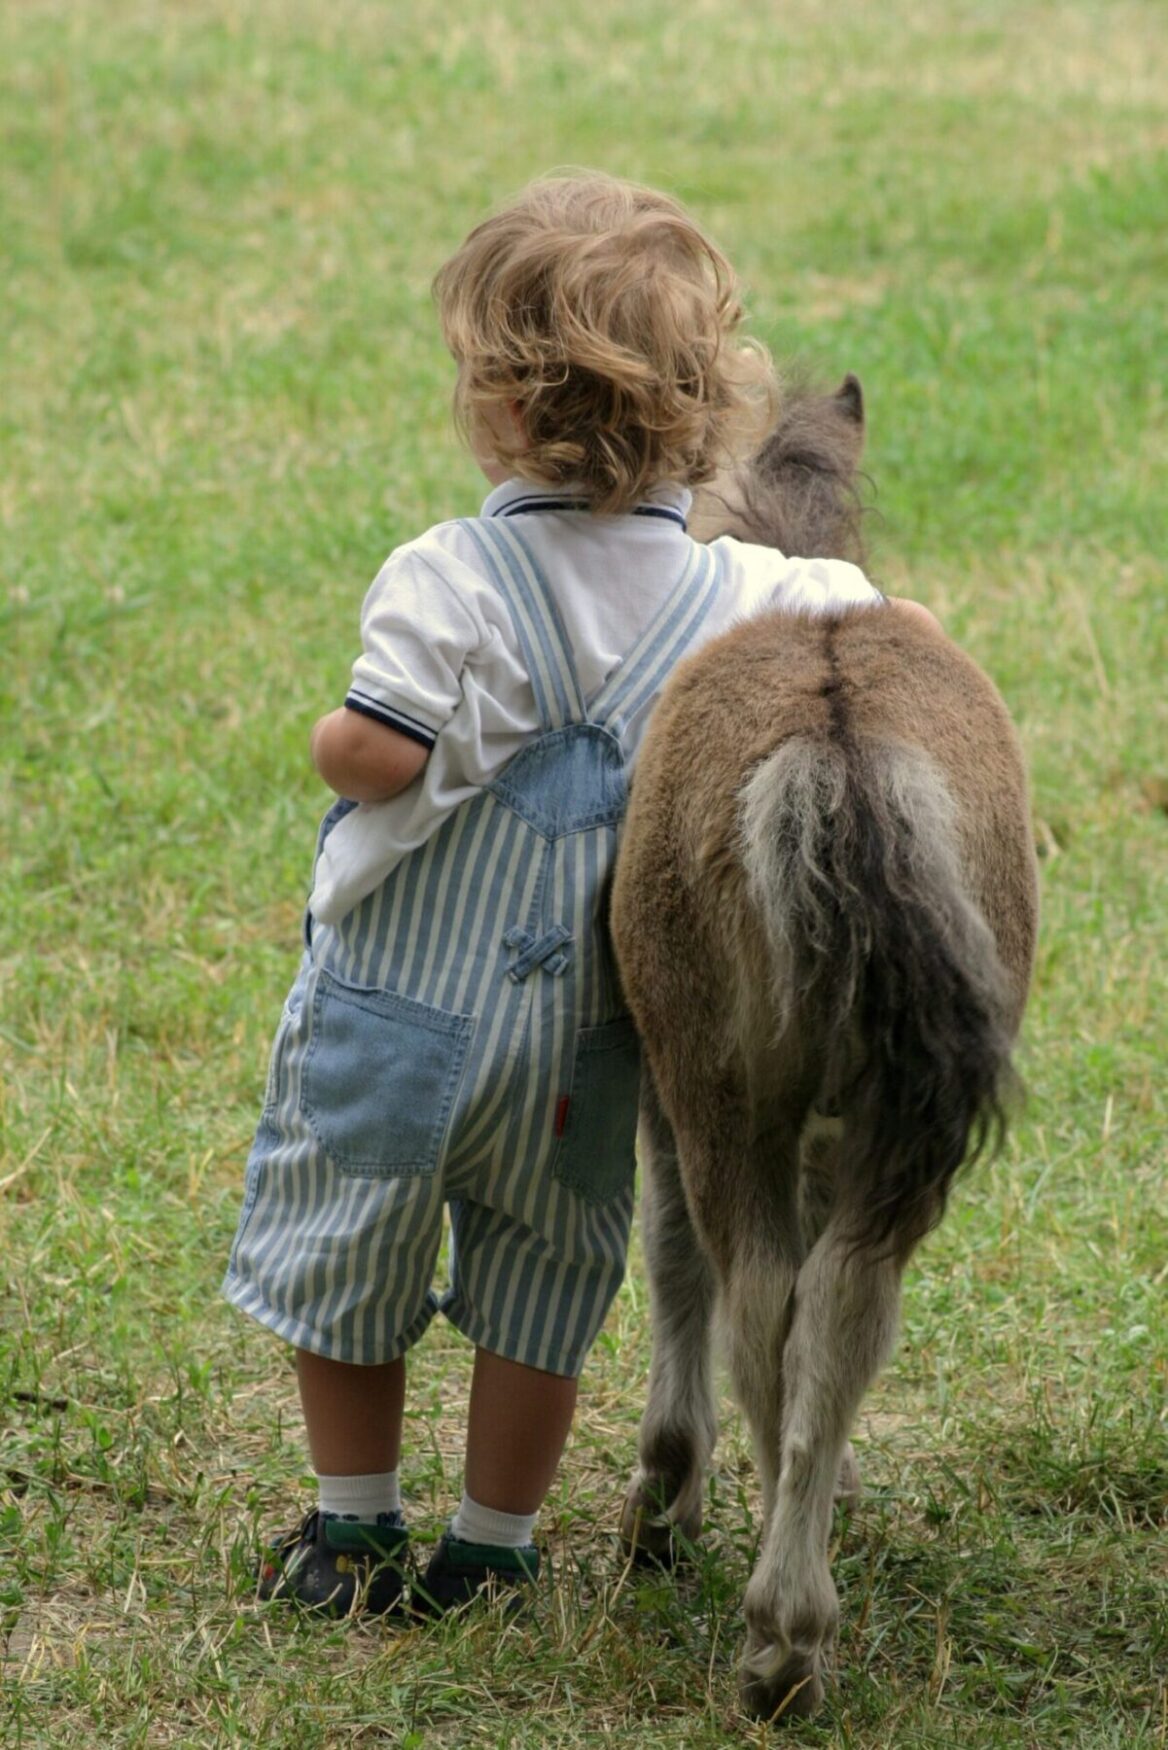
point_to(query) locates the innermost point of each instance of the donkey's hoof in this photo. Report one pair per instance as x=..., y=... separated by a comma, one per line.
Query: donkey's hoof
x=848, y=1487
x=793, y=1692
x=650, y=1535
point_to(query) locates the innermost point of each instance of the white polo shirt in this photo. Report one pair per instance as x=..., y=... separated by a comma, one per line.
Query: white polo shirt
x=441, y=663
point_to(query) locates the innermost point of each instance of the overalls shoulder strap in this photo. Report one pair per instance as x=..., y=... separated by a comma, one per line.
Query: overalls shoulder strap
x=633, y=684
x=546, y=647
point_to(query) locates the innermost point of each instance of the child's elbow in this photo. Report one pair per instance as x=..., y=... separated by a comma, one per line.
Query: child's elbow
x=362, y=759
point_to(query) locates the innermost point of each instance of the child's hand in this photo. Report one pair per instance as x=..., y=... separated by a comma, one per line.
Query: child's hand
x=363, y=759
x=916, y=610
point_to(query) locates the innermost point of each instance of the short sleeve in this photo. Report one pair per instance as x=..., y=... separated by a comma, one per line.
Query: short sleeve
x=822, y=586
x=416, y=635
x=761, y=580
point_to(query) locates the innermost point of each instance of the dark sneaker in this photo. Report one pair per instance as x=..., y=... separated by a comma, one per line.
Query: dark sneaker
x=337, y=1565
x=459, y=1571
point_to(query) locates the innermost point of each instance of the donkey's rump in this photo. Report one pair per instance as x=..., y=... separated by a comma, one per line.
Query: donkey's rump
x=871, y=678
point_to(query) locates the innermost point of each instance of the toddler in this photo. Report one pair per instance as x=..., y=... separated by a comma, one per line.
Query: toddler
x=455, y=1038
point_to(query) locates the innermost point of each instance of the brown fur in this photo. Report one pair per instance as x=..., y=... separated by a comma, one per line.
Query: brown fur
x=825, y=914
x=801, y=493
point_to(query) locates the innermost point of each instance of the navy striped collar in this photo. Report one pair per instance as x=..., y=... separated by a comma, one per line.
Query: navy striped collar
x=667, y=502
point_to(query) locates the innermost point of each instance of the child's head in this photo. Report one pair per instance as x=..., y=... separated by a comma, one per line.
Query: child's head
x=595, y=331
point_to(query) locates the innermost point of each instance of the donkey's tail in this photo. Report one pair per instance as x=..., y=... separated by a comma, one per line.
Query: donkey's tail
x=883, y=965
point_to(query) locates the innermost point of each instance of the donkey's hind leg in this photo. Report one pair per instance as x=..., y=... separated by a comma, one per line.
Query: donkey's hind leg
x=678, y=1428
x=819, y=1182
x=845, y=1308
x=758, y=1310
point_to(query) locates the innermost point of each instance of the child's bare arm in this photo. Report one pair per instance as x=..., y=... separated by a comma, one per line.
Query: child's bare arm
x=363, y=759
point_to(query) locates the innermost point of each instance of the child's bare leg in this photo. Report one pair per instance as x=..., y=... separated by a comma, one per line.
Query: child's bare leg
x=353, y=1415
x=516, y=1429
x=349, y=1551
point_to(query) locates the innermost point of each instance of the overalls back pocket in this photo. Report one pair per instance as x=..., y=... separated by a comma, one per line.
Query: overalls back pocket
x=380, y=1077
x=596, y=1156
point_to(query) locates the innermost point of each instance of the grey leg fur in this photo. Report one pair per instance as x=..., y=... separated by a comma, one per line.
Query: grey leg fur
x=758, y=1313
x=819, y=1171
x=679, y=1427
x=843, y=1326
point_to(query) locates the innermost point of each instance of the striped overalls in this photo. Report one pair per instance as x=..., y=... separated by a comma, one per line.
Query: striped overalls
x=459, y=1038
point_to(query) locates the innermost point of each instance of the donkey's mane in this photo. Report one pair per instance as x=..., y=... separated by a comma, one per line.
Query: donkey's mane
x=802, y=492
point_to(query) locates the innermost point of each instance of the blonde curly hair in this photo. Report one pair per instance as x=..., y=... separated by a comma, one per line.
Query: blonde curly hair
x=595, y=330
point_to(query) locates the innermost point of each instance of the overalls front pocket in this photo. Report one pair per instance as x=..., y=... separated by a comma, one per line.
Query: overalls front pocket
x=596, y=1156
x=380, y=1077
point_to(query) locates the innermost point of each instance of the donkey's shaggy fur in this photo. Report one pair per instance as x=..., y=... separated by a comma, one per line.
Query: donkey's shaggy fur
x=825, y=913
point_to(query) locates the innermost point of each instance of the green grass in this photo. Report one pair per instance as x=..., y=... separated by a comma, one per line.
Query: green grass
x=224, y=400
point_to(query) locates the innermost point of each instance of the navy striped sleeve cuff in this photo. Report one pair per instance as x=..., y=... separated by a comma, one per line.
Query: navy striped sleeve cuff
x=393, y=719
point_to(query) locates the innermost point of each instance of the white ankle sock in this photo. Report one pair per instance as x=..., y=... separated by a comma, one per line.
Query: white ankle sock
x=475, y=1524
x=361, y=1498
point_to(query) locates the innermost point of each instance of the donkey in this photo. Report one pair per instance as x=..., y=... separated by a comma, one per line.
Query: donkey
x=824, y=914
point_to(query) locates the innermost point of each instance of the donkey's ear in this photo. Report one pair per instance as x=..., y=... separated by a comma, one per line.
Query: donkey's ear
x=849, y=398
